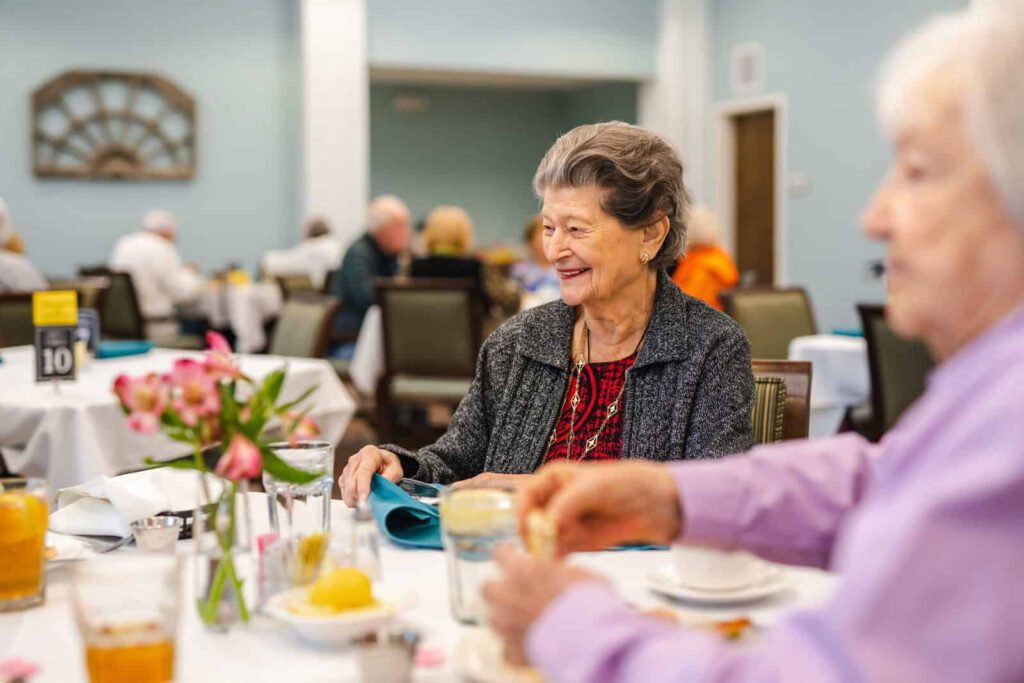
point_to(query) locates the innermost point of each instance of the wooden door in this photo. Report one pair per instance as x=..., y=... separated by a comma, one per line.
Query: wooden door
x=754, y=162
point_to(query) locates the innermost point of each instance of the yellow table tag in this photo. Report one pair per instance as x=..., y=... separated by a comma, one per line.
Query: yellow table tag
x=58, y=308
x=239, y=278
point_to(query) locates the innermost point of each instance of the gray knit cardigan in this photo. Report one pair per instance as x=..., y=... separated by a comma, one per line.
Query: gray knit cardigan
x=689, y=394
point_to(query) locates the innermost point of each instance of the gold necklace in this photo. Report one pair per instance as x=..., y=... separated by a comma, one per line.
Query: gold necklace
x=613, y=407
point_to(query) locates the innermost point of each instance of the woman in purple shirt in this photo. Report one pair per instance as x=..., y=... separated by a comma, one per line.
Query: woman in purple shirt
x=926, y=528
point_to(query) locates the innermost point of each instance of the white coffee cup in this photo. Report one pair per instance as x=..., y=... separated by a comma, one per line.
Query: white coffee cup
x=716, y=570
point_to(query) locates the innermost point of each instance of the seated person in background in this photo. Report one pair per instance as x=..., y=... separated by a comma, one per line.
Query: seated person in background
x=375, y=254
x=448, y=240
x=17, y=274
x=535, y=274
x=624, y=365
x=705, y=269
x=316, y=255
x=923, y=528
x=161, y=279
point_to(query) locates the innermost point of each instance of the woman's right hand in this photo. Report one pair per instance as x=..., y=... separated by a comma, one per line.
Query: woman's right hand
x=355, y=479
x=596, y=506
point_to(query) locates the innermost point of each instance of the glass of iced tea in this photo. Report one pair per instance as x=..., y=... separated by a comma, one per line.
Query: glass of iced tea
x=23, y=520
x=127, y=613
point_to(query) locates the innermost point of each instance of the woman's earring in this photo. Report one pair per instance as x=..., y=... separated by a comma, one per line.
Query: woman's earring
x=644, y=258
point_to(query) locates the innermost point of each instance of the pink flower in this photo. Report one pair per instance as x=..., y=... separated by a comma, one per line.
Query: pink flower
x=17, y=669
x=194, y=393
x=242, y=461
x=144, y=398
x=299, y=427
x=219, y=363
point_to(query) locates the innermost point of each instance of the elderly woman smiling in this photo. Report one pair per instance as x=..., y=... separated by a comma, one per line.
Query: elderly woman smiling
x=624, y=366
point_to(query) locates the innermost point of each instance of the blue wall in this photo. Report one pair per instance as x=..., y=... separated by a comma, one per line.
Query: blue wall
x=597, y=38
x=238, y=58
x=478, y=147
x=823, y=56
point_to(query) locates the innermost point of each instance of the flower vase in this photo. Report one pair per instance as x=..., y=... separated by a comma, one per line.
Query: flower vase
x=222, y=529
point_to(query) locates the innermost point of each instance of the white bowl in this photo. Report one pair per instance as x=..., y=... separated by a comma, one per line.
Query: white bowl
x=331, y=629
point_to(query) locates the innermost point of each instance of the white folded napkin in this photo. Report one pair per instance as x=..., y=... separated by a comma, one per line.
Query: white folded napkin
x=105, y=506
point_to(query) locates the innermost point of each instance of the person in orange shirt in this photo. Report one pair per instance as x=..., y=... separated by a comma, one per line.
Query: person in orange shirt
x=705, y=269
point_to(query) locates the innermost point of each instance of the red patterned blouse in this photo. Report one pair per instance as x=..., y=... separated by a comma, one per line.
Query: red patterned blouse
x=600, y=384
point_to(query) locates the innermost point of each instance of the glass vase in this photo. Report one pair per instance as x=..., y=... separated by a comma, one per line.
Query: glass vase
x=224, y=563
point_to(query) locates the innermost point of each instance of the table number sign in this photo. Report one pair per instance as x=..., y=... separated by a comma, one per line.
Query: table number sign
x=55, y=316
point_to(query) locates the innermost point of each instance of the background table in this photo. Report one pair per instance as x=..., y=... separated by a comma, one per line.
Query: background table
x=72, y=434
x=242, y=308
x=840, y=378
x=268, y=652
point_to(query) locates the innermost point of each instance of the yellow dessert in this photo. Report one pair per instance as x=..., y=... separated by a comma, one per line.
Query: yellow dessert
x=338, y=590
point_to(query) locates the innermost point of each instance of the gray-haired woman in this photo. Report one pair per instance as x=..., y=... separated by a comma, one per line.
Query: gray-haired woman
x=624, y=366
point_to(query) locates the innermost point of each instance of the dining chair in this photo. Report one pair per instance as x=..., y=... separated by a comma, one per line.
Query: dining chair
x=432, y=330
x=769, y=409
x=771, y=317
x=16, y=319
x=303, y=327
x=897, y=368
x=296, y=285
x=796, y=374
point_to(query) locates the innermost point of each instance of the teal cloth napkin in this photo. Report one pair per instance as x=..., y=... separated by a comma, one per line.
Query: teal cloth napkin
x=403, y=519
x=120, y=348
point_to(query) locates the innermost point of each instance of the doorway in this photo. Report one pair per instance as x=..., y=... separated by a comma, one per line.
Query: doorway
x=750, y=156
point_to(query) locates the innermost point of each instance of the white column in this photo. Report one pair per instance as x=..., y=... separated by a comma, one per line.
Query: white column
x=336, y=113
x=674, y=104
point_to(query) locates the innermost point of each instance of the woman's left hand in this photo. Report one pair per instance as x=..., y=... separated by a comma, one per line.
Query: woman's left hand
x=525, y=589
x=493, y=479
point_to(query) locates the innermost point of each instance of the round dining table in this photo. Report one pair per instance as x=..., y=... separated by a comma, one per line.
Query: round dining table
x=266, y=650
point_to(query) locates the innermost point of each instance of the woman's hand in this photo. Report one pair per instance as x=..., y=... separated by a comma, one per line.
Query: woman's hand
x=355, y=479
x=525, y=589
x=599, y=505
x=493, y=479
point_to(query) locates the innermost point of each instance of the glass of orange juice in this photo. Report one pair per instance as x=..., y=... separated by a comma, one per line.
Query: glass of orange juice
x=23, y=520
x=127, y=612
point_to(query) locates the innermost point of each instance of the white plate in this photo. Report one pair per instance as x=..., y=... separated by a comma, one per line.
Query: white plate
x=334, y=629
x=67, y=548
x=665, y=582
x=479, y=659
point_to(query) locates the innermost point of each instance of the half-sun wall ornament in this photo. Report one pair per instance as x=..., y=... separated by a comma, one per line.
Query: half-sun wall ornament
x=113, y=125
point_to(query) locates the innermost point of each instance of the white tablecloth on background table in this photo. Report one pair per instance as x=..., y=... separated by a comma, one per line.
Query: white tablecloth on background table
x=840, y=377
x=368, y=360
x=268, y=652
x=75, y=432
x=242, y=308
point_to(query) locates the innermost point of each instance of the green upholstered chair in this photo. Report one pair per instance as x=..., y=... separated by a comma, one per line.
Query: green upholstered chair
x=771, y=317
x=796, y=374
x=769, y=407
x=303, y=327
x=16, y=318
x=295, y=285
x=433, y=328
x=898, y=368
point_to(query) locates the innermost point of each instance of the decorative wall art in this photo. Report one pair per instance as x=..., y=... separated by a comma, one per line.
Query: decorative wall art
x=113, y=125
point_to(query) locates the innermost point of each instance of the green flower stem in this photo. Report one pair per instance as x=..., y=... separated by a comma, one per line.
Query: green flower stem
x=226, y=566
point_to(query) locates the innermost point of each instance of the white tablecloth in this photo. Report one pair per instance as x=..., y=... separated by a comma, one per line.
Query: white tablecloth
x=839, y=380
x=75, y=432
x=266, y=652
x=368, y=361
x=243, y=308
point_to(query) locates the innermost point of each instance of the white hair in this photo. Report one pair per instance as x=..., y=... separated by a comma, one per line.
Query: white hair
x=985, y=44
x=383, y=209
x=157, y=220
x=702, y=227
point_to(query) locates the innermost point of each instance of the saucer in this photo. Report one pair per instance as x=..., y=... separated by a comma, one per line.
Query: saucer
x=665, y=582
x=478, y=658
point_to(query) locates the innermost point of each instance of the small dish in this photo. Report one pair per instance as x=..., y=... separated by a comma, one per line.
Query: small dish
x=157, y=534
x=333, y=629
x=478, y=658
x=665, y=582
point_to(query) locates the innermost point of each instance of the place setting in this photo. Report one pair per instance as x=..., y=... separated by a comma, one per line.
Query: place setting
x=716, y=578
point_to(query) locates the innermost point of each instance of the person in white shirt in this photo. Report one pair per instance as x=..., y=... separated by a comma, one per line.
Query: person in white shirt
x=161, y=279
x=316, y=255
x=17, y=274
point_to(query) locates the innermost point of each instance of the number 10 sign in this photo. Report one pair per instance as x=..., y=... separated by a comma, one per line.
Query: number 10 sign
x=55, y=315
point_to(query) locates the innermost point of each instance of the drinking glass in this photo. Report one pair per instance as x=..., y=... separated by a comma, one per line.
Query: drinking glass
x=127, y=613
x=23, y=520
x=473, y=523
x=301, y=508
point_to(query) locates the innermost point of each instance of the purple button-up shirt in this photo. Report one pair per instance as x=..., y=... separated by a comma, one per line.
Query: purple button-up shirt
x=926, y=530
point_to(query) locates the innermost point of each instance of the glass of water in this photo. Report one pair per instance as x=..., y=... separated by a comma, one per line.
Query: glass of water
x=301, y=508
x=473, y=523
